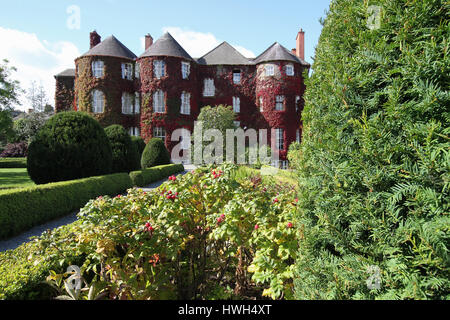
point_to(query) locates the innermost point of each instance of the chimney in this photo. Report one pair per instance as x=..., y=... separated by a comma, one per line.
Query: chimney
x=300, y=51
x=148, y=41
x=95, y=39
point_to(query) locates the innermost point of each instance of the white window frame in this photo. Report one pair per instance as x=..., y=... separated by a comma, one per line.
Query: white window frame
x=137, y=103
x=134, y=132
x=185, y=70
x=237, y=77
x=159, y=103
x=209, y=88
x=159, y=69
x=289, y=69
x=185, y=103
x=127, y=71
x=137, y=70
x=236, y=104
x=279, y=142
x=98, y=69
x=269, y=70
x=279, y=103
x=98, y=101
x=127, y=103
x=159, y=132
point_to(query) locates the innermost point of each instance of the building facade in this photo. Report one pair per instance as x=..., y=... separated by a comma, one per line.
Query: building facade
x=165, y=88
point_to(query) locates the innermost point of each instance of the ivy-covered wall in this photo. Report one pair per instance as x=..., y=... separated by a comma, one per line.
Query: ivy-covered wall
x=64, y=94
x=111, y=84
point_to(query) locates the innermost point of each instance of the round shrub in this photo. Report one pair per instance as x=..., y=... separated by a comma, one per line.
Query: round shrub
x=155, y=154
x=71, y=145
x=139, y=145
x=124, y=152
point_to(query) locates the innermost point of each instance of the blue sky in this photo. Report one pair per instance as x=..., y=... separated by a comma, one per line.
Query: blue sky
x=39, y=42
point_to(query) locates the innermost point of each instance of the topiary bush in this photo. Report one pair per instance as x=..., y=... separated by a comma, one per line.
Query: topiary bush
x=374, y=164
x=155, y=154
x=71, y=145
x=139, y=145
x=15, y=150
x=124, y=152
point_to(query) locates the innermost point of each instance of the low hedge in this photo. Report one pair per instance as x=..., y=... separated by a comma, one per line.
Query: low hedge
x=145, y=177
x=13, y=163
x=24, y=208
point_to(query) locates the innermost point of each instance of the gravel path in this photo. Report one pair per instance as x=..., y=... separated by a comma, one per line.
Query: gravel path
x=15, y=242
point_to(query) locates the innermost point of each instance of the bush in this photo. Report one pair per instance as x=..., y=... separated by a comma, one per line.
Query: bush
x=140, y=144
x=374, y=161
x=145, y=177
x=71, y=145
x=15, y=150
x=21, y=209
x=13, y=162
x=155, y=154
x=124, y=153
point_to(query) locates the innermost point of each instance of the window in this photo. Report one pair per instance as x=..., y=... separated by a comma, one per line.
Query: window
x=127, y=103
x=159, y=69
x=298, y=135
x=279, y=139
x=236, y=76
x=98, y=101
x=269, y=69
x=137, y=103
x=185, y=103
x=185, y=70
x=137, y=70
x=209, y=90
x=159, y=105
x=281, y=164
x=127, y=71
x=289, y=68
x=97, y=69
x=237, y=124
x=236, y=104
x=297, y=102
x=159, y=132
x=134, y=131
x=261, y=104
x=279, y=103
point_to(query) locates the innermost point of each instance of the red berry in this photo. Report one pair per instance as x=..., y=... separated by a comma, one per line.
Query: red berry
x=290, y=225
x=222, y=217
x=275, y=200
x=256, y=227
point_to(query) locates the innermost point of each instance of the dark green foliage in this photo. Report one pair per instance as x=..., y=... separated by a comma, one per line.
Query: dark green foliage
x=21, y=209
x=124, y=153
x=374, y=163
x=13, y=162
x=139, y=145
x=145, y=177
x=71, y=145
x=155, y=154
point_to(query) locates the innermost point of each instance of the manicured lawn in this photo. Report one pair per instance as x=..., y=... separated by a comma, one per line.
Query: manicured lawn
x=14, y=178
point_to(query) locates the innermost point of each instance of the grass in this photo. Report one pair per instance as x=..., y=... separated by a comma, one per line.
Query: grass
x=14, y=178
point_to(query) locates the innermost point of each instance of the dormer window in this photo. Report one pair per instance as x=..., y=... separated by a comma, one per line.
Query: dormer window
x=185, y=70
x=98, y=101
x=127, y=71
x=279, y=103
x=289, y=68
x=269, y=70
x=209, y=89
x=236, y=76
x=98, y=69
x=159, y=69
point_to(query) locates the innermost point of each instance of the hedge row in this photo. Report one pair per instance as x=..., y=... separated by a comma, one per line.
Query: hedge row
x=24, y=208
x=147, y=176
x=13, y=163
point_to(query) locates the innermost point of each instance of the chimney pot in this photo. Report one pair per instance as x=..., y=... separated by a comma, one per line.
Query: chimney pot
x=300, y=50
x=94, y=38
x=148, y=41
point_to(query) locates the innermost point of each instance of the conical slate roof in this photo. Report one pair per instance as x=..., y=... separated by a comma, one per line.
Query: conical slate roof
x=166, y=46
x=277, y=52
x=111, y=47
x=66, y=73
x=224, y=54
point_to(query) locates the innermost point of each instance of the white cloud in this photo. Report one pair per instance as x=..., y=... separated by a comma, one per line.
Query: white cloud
x=36, y=60
x=198, y=44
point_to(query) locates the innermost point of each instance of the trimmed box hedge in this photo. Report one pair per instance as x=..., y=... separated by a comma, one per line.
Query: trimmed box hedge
x=21, y=209
x=7, y=163
x=144, y=177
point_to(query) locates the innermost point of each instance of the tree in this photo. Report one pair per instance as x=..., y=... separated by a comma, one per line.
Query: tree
x=124, y=152
x=155, y=154
x=37, y=97
x=374, y=171
x=26, y=128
